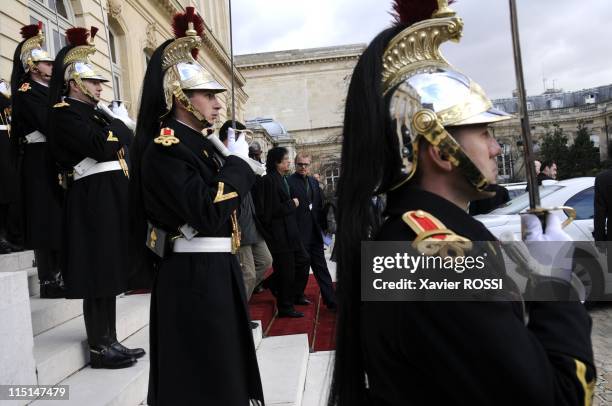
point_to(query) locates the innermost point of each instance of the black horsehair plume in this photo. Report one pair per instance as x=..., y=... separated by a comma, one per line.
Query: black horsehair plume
x=408, y=12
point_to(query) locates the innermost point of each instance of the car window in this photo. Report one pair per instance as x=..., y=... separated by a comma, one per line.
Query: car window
x=582, y=202
x=520, y=203
x=514, y=193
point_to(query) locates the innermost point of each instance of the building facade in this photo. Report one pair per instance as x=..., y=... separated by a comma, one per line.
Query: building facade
x=591, y=108
x=303, y=92
x=135, y=29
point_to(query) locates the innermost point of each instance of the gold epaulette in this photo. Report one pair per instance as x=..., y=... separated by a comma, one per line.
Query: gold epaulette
x=60, y=105
x=25, y=87
x=429, y=229
x=166, y=137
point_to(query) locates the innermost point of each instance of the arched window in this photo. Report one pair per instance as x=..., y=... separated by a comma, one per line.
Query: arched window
x=57, y=16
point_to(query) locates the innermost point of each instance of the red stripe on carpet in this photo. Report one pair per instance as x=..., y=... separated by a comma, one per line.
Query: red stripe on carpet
x=262, y=306
x=303, y=325
x=318, y=322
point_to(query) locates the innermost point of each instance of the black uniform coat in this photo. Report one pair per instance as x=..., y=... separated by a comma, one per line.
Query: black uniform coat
x=471, y=353
x=309, y=221
x=41, y=192
x=278, y=217
x=8, y=175
x=95, y=219
x=201, y=346
x=603, y=206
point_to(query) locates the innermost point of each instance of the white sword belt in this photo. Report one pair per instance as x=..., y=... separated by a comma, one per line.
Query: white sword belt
x=203, y=244
x=35, y=137
x=88, y=167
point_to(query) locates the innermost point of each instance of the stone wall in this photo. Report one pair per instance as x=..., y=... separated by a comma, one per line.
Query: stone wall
x=304, y=90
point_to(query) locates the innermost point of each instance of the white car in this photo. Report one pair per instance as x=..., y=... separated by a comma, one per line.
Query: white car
x=515, y=189
x=579, y=193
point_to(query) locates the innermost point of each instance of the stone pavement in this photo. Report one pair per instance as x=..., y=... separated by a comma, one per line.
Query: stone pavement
x=602, y=347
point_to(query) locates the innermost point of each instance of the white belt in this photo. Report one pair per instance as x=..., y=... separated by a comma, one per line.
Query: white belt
x=35, y=136
x=97, y=168
x=203, y=244
x=4, y=127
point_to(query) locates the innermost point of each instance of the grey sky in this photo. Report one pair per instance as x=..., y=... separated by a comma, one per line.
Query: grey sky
x=563, y=40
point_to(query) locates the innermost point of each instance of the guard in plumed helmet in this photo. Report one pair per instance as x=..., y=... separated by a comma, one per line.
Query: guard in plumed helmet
x=185, y=192
x=9, y=188
x=416, y=130
x=41, y=193
x=89, y=143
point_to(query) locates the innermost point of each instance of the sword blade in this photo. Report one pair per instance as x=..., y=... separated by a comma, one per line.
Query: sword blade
x=532, y=182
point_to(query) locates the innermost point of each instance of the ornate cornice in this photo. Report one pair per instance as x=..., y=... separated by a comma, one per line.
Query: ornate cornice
x=279, y=64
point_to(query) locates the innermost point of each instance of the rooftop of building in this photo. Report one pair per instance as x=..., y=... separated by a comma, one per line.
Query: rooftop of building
x=557, y=98
x=275, y=129
x=299, y=55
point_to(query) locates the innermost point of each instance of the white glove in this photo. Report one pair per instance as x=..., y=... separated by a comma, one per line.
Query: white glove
x=131, y=124
x=257, y=167
x=122, y=114
x=237, y=145
x=543, y=255
x=106, y=111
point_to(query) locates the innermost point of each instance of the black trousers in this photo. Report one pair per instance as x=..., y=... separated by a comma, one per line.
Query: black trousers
x=47, y=264
x=100, y=321
x=290, y=276
x=321, y=272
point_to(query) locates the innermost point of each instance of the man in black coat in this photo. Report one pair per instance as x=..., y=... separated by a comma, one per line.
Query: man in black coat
x=289, y=258
x=41, y=194
x=9, y=191
x=89, y=143
x=200, y=337
x=311, y=223
x=603, y=206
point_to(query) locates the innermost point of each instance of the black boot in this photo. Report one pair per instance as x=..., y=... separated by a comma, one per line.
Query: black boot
x=131, y=352
x=14, y=246
x=52, y=290
x=111, y=314
x=109, y=358
x=5, y=248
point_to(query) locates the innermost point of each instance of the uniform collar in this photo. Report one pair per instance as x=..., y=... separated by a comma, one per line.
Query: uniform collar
x=410, y=197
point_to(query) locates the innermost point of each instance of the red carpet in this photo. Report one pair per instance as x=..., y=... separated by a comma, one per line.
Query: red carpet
x=318, y=322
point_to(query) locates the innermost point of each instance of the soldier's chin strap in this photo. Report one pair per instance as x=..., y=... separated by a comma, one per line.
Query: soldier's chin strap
x=426, y=123
x=184, y=100
x=79, y=82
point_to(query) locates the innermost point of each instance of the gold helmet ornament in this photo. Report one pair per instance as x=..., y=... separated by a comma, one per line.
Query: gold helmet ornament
x=427, y=95
x=182, y=71
x=77, y=66
x=32, y=50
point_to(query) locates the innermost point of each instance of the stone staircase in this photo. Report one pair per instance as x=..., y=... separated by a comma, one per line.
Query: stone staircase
x=43, y=341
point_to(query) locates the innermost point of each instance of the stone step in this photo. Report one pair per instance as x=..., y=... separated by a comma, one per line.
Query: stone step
x=16, y=261
x=122, y=387
x=257, y=334
x=17, y=365
x=283, y=362
x=33, y=283
x=103, y=387
x=49, y=313
x=318, y=378
x=62, y=350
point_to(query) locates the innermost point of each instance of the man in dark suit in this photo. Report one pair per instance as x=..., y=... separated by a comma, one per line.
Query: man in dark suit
x=289, y=258
x=311, y=221
x=548, y=171
x=603, y=206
